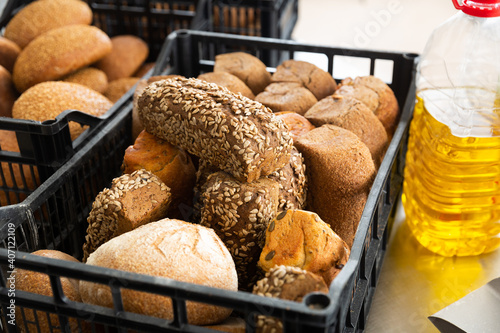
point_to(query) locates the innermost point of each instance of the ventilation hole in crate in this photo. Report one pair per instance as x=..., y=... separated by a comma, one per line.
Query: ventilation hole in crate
x=345, y=66
x=320, y=60
x=383, y=70
x=317, y=301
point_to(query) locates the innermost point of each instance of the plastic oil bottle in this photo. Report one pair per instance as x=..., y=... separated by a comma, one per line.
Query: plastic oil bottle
x=451, y=189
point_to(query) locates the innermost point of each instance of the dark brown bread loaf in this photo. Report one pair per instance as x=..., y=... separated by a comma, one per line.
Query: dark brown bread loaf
x=287, y=96
x=353, y=115
x=231, y=132
x=319, y=82
x=228, y=80
x=340, y=172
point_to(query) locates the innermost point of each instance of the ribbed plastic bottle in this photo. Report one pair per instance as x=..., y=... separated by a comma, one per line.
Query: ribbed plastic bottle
x=451, y=189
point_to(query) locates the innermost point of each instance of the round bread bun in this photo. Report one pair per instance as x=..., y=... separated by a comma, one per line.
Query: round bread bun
x=9, y=51
x=117, y=88
x=8, y=93
x=297, y=125
x=59, y=52
x=47, y=100
x=39, y=283
x=287, y=96
x=144, y=69
x=171, y=249
x=248, y=68
x=128, y=54
x=39, y=17
x=90, y=77
x=228, y=80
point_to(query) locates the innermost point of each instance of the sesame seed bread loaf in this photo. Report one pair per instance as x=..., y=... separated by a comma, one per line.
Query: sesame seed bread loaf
x=39, y=17
x=301, y=239
x=59, y=52
x=171, y=249
x=287, y=96
x=90, y=77
x=297, y=124
x=231, y=132
x=228, y=80
x=9, y=51
x=319, y=82
x=239, y=214
x=340, y=172
x=131, y=201
x=353, y=115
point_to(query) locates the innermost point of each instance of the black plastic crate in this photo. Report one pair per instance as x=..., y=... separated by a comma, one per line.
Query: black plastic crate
x=45, y=147
x=54, y=216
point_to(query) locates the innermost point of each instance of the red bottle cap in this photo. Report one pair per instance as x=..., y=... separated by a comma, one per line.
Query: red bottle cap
x=479, y=8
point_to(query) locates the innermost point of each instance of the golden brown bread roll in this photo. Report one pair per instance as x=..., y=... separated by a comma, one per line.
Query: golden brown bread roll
x=47, y=100
x=8, y=93
x=340, y=172
x=9, y=51
x=128, y=54
x=287, y=96
x=39, y=17
x=319, y=82
x=231, y=132
x=90, y=77
x=230, y=325
x=228, y=80
x=117, y=88
x=353, y=115
x=167, y=248
x=377, y=95
x=144, y=69
x=59, y=52
x=132, y=200
x=301, y=239
x=39, y=283
x=297, y=124
x=246, y=67
x=171, y=164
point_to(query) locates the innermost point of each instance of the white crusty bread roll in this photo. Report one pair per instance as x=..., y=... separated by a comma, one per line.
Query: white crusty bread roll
x=167, y=248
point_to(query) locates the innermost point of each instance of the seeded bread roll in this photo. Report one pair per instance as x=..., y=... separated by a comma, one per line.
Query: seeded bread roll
x=8, y=93
x=288, y=283
x=39, y=283
x=132, y=200
x=59, y=52
x=233, y=133
x=287, y=96
x=9, y=51
x=246, y=67
x=377, y=95
x=47, y=100
x=119, y=87
x=128, y=54
x=340, y=172
x=39, y=17
x=239, y=214
x=301, y=239
x=319, y=82
x=297, y=124
x=172, y=165
x=353, y=115
x=171, y=249
x=228, y=80
x=90, y=77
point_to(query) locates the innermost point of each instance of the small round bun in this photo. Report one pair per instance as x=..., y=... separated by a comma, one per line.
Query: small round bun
x=39, y=17
x=90, y=77
x=117, y=88
x=9, y=51
x=228, y=80
x=287, y=96
x=171, y=249
x=59, y=52
x=47, y=100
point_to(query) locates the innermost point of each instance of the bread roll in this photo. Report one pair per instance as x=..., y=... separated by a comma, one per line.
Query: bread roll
x=90, y=77
x=167, y=248
x=228, y=80
x=9, y=51
x=287, y=96
x=59, y=52
x=316, y=80
x=353, y=115
x=230, y=325
x=39, y=283
x=377, y=95
x=131, y=201
x=301, y=239
x=297, y=124
x=47, y=100
x=8, y=93
x=39, y=17
x=246, y=67
x=128, y=54
x=119, y=87
x=172, y=165
x=231, y=132
x=144, y=69
x=340, y=172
